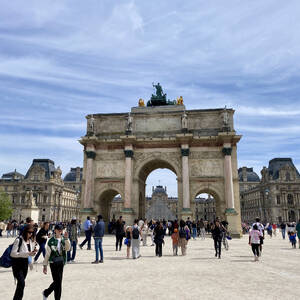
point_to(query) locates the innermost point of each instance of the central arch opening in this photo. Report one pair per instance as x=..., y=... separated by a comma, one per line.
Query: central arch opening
x=158, y=191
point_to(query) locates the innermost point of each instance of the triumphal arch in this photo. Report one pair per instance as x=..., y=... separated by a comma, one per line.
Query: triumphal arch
x=199, y=146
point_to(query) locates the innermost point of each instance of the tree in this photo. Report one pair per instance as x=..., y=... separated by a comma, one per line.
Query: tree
x=5, y=206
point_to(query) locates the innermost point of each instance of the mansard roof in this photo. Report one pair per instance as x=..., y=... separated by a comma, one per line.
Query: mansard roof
x=12, y=175
x=71, y=176
x=251, y=175
x=277, y=163
x=47, y=164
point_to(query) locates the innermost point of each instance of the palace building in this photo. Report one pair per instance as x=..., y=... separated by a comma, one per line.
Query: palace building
x=42, y=189
x=275, y=197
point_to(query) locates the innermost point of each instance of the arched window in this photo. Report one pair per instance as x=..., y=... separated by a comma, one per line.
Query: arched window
x=290, y=199
x=278, y=199
x=288, y=176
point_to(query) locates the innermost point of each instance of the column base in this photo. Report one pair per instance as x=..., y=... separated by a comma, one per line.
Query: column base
x=85, y=212
x=231, y=211
x=128, y=215
x=234, y=223
x=186, y=213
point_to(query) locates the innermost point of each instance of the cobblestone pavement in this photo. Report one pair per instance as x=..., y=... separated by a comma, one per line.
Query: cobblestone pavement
x=199, y=275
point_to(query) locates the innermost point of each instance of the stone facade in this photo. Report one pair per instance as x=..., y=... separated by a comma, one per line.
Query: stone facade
x=274, y=198
x=41, y=188
x=121, y=151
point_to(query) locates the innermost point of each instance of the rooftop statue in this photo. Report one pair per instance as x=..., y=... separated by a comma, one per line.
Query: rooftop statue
x=160, y=98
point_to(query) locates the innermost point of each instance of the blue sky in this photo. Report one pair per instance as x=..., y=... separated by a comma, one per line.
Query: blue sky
x=61, y=60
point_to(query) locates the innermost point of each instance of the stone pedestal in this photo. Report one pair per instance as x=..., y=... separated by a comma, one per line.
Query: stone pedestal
x=186, y=213
x=85, y=212
x=234, y=222
x=128, y=216
x=32, y=212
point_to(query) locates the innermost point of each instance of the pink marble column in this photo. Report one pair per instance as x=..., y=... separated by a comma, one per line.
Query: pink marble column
x=128, y=176
x=90, y=155
x=229, y=194
x=185, y=177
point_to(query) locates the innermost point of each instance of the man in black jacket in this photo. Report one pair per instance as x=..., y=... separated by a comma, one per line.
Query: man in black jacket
x=98, y=236
x=41, y=239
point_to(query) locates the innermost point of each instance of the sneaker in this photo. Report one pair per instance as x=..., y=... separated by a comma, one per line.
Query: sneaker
x=101, y=261
x=44, y=297
x=72, y=262
x=95, y=262
x=80, y=247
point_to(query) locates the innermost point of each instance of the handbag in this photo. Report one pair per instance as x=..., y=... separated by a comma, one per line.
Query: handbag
x=58, y=260
x=126, y=241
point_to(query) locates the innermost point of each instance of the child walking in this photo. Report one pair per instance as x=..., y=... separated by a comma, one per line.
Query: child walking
x=175, y=239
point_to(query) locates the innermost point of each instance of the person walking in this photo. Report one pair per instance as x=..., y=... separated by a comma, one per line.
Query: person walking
x=159, y=238
x=135, y=240
x=23, y=247
x=128, y=240
x=56, y=256
x=87, y=225
x=217, y=235
x=202, y=229
x=41, y=239
x=73, y=237
x=119, y=233
x=298, y=232
x=282, y=228
x=98, y=238
x=254, y=241
x=274, y=227
x=194, y=229
x=261, y=228
x=175, y=239
x=184, y=236
x=145, y=232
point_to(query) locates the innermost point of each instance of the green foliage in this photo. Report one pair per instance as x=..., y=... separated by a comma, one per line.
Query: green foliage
x=5, y=206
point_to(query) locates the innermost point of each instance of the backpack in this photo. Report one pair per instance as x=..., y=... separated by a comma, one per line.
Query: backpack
x=135, y=233
x=182, y=233
x=6, y=259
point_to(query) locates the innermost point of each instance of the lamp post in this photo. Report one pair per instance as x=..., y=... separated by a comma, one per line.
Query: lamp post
x=267, y=192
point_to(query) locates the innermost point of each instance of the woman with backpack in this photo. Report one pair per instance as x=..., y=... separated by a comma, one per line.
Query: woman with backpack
x=184, y=236
x=56, y=255
x=159, y=233
x=135, y=240
x=23, y=247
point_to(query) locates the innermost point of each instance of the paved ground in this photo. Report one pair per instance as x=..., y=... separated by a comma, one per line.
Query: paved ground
x=199, y=275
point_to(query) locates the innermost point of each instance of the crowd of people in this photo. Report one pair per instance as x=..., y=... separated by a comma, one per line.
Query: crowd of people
x=58, y=242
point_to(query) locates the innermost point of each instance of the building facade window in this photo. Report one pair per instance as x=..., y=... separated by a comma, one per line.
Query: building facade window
x=290, y=199
x=278, y=199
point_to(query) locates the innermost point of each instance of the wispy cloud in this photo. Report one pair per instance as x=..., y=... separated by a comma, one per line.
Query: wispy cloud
x=61, y=60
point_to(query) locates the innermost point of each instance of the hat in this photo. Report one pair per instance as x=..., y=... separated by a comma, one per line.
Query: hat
x=58, y=227
x=74, y=218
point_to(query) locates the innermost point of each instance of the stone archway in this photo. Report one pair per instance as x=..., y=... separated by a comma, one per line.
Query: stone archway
x=199, y=146
x=104, y=202
x=141, y=174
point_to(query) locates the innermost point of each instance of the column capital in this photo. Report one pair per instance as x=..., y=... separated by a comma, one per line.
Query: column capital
x=185, y=152
x=128, y=153
x=90, y=154
x=227, y=151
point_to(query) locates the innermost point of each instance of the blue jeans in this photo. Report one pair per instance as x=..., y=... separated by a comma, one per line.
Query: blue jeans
x=41, y=250
x=194, y=232
x=73, y=249
x=283, y=233
x=98, y=246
